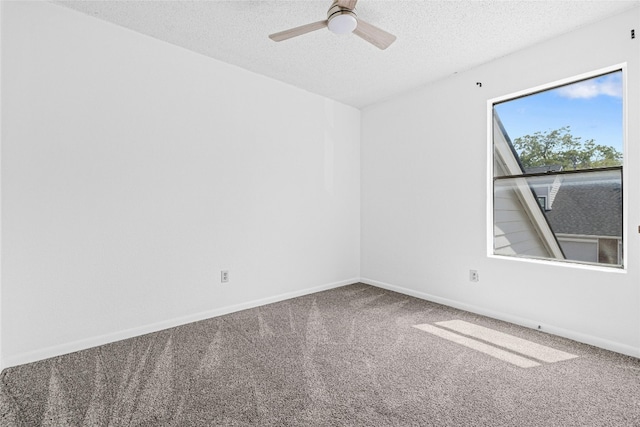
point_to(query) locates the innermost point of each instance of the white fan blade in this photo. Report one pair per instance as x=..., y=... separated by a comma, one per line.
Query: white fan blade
x=374, y=35
x=298, y=31
x=347, y=4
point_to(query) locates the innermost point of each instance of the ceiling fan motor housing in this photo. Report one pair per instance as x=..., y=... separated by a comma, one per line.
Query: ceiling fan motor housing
x=341, y=20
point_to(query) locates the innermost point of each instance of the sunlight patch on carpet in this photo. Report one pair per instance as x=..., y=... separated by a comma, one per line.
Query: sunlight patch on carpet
x=496, y=344
x=519, y=345
x=490, y=350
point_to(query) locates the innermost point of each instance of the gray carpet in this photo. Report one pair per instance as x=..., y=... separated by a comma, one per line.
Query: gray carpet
x=344, y=357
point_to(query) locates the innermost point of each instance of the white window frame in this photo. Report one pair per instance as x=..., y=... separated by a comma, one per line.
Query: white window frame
x=490, y=178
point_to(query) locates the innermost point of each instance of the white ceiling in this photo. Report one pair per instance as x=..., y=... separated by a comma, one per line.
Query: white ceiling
x=435, y=38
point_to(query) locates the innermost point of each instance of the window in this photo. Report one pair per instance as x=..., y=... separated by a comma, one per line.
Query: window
x=557, y=173
x=542, y=201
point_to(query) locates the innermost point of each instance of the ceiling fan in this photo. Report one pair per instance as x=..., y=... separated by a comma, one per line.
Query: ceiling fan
x=342, y=19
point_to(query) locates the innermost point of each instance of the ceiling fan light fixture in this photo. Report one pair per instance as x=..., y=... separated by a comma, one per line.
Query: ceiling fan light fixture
x=341, y=19
x=343, y=23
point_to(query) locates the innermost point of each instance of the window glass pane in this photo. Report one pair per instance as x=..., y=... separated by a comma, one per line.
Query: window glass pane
x=582, y=221
x=558, y=173
x=576, y=126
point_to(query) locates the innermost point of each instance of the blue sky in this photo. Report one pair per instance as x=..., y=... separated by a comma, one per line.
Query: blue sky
x=593, y=109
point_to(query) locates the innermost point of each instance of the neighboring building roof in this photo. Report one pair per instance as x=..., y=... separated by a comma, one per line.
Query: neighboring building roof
x=594, y=209
x=541, y=169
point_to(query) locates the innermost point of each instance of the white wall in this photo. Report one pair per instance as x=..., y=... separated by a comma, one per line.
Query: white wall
x=424, y=196
x=133, y=171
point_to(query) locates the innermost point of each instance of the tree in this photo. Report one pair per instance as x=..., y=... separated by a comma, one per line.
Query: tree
x=559, y=147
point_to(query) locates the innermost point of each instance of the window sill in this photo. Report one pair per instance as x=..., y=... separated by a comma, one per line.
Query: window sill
x=563, y=264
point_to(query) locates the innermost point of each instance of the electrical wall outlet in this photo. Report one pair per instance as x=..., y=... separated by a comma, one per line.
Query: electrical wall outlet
x=224, y=276
x=473, y=276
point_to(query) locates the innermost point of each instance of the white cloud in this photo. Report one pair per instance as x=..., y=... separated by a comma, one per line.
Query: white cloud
x=608, y=85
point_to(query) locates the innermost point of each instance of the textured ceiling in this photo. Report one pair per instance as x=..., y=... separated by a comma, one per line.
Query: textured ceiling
x=435, y=38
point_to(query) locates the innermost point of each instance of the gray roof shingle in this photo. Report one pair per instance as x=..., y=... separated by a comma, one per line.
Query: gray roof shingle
x=593, y=208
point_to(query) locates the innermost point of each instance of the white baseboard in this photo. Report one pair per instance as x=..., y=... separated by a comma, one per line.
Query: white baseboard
x=528, y=323
x=84, y=344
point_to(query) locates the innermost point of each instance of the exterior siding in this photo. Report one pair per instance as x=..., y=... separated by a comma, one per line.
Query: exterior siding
x=514, y=230
x=514, y=233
